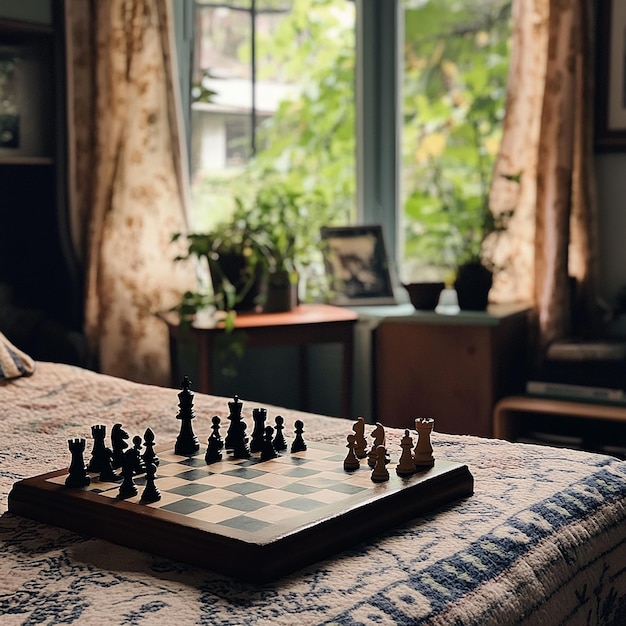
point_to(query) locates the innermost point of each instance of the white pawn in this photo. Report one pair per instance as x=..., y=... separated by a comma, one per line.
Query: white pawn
x=406, y=464
x=380, y=474
x=423, y=455
x=351, y=462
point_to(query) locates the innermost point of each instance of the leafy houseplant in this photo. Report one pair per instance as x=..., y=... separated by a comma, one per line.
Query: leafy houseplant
x=269, y=243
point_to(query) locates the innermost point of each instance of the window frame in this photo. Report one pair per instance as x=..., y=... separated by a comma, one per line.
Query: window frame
x=379, y=27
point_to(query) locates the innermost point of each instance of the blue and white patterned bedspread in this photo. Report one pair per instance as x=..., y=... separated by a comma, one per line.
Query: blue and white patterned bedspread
x=542, y=540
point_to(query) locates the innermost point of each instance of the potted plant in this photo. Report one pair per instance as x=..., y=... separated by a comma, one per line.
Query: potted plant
x=260, y=255
x=456, y=223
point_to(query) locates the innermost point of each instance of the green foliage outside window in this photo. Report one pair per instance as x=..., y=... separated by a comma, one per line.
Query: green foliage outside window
x=456, y=63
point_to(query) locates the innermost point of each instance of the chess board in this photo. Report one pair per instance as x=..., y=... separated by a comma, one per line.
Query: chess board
x=250, y=519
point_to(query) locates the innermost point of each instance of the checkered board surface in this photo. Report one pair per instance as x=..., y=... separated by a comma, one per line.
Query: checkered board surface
x=251, y=519
x=248, y=495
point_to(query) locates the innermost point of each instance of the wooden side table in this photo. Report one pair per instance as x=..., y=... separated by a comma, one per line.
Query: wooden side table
x=306, y=325
x=450, y=367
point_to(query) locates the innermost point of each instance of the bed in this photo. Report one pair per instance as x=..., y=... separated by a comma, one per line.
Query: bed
x=541, y=541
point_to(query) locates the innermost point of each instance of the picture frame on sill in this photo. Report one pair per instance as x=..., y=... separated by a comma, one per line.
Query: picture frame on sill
x=610, y=113
x=356, y=264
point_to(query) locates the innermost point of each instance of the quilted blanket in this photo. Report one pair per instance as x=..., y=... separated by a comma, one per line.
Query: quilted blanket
x=541, y=541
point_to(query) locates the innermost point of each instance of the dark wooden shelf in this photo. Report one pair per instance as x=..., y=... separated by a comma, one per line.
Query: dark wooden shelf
x=19, y=27
x=25, y=160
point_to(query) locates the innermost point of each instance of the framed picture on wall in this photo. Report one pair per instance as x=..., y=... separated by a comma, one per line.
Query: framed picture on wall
x=356, y=264
x=610, y=114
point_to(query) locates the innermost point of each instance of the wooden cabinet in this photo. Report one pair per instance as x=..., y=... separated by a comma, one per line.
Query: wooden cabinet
x=451, y=368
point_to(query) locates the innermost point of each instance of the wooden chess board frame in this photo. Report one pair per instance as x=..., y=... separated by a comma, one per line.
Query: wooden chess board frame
x=281, y=548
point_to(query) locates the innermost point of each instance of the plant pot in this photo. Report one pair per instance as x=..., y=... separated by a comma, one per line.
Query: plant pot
x=281, y=293
x=424, y=296
x=472, y=285
x=236, y=270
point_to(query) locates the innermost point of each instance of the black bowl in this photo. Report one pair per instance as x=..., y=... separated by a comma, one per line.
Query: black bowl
x=424, y=296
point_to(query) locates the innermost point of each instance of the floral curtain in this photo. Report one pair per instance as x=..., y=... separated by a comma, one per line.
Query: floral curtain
x=544, y=172
x=127, y=178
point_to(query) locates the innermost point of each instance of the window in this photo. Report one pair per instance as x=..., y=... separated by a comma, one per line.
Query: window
x=393, y=108
x=265, y=110
x=454, y=88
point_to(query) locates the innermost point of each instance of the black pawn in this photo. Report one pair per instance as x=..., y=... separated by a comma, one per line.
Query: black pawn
x=128, y=489
x=268, y=451
x=214, y=449
x=140, y=467
x=98, y=452
x=298, y=444
x=240, y=443
x=149, y=455
x=258, y=431
x=118, y=444
x=186, y=443
x=78, y=476
x=151, y=492
x=279, y=439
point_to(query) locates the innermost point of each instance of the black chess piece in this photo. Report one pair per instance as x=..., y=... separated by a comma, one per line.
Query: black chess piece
x=234, y=416
x=298, y=444
x=98, y=453
x=107, y=473
x=77, y=476
x=186, y=443
x=151, y=492
x=118, y=444
x=258, y=432
x=240, y=448
x=149, y=455
x=279, y=438
x=213, y=452
x=128, y=489
x=140, y=467
x=268, y=451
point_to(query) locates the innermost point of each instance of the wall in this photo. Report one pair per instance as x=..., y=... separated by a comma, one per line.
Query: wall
x=39, y=11
x=611, y=178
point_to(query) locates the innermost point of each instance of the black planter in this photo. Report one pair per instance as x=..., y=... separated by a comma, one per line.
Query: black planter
x=236, y=270
x=472, y=285
x=281, y=293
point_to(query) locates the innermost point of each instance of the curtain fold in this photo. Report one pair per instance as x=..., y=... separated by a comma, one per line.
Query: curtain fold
x=128, y=178
x=547, y=144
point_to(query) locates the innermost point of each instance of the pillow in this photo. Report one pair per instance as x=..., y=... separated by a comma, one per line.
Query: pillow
x=13, y=362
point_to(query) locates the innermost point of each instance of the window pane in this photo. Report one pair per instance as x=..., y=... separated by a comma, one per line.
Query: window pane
x=276, y=110
x=455, y=71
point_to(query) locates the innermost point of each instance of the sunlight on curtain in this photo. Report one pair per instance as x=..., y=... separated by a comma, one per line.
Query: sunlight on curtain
x=547, y=142
x=129, y=179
